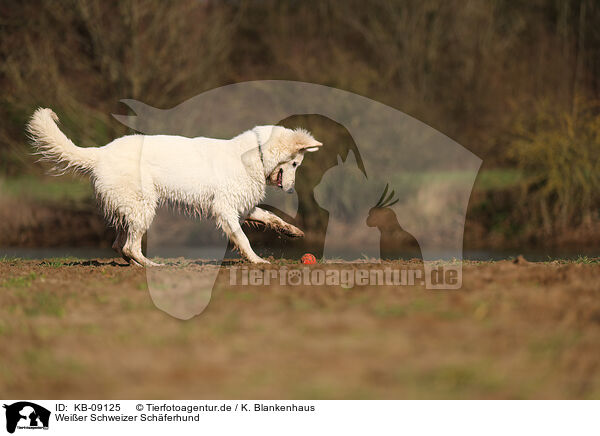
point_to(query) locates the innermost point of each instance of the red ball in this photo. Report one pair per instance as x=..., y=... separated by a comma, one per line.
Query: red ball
x=309, y=259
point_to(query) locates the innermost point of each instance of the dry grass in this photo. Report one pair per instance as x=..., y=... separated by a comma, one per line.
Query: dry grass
x=89, y=330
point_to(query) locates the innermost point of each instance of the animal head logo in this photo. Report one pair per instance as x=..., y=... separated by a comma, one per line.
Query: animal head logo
x=26, y=415
x=432, y=177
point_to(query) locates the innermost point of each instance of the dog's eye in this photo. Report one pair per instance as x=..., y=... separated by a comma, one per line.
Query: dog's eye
x=294, y=164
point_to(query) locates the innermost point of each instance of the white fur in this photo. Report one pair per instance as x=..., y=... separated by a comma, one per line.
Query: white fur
x=223, y=179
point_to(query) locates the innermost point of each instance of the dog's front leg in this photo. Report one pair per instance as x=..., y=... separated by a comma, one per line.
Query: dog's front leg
x=273, y=221
x=235, y=233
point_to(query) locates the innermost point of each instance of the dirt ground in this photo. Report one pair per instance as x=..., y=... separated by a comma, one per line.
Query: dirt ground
x=73, y=329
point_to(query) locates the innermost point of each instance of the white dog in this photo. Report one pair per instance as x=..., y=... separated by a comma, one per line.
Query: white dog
x=224, y=179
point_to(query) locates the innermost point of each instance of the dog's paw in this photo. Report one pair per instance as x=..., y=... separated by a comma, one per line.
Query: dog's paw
x=259, y=260
x=150, y=263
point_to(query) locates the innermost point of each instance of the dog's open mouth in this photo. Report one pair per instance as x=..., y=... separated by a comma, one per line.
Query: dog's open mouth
x=280, y=178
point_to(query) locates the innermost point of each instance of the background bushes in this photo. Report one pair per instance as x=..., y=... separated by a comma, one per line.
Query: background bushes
x=514, y=82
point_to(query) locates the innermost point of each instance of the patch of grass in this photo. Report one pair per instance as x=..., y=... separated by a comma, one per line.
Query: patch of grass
x=416, y=306
x=43, y=363
x=44, y=303
x=301, y=305
x=24, y=281
x=101, y=298
x=552, y=346
x=390, y=311
x=9, y=259
x=584, y=260
x=499, y=178
x=233, y=295
x=58, y=262
x=450, y=315
x=422, y=305
x=587, y=260
x=316, y=390
x=454, y=380
x=115, y=280
x=47, y=188
x=127, y=305
x=229, y=324
x=359, y=299
x=91, y=329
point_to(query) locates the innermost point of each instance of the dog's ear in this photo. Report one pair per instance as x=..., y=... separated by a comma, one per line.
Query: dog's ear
x=303, y=141
x=314, y=146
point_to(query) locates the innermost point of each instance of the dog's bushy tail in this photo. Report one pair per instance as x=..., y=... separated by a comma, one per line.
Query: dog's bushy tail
x=53, y=144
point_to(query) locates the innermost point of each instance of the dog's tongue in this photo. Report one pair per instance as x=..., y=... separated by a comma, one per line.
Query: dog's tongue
x=280, y=178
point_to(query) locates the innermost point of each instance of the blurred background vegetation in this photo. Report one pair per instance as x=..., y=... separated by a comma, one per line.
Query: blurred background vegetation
x=517, y=83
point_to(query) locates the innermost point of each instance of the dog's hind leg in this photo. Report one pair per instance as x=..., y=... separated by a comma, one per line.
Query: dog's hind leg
x=133, y=248
x=129, y=249
x=137, y=222
x=120, y=243
x=233, y=230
